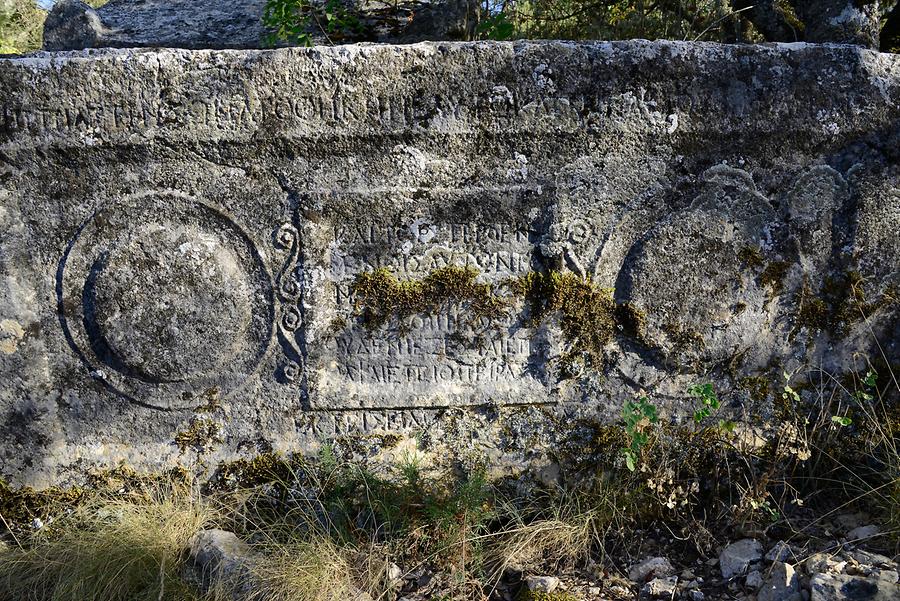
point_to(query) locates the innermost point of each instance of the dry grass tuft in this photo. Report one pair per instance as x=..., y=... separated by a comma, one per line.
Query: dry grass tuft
x=567, y=529
x=127, y=549
x=315, y=569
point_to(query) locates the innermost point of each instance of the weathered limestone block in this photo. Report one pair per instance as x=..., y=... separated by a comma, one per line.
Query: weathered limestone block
x=206, y=254
x=198, y=24
x=73, y=24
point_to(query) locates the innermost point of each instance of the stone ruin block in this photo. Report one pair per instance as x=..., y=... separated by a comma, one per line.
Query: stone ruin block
x=547, y=230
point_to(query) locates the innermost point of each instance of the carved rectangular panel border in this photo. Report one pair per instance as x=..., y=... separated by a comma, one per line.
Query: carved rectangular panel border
x=445, y=357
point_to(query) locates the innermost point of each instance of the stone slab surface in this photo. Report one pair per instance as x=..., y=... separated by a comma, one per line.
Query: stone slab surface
x=182, y=231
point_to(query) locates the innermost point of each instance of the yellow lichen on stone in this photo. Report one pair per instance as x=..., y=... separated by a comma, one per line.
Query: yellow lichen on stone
x=199, y=435
x=11, y=334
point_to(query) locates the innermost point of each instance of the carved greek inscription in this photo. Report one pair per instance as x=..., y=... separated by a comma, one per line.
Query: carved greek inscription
x=434, y=352
x=334, y=107
x=329, y=424
x=443, y=357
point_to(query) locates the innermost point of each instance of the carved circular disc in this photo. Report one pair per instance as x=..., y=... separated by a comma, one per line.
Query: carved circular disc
x=688, y=280
x=164, y=298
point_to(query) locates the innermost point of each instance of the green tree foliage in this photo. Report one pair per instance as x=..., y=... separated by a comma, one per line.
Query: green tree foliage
x=299, y=21
x=21, y=26
x=890, y=29
x=608, y=19
x=293, y=21
x=712, y=20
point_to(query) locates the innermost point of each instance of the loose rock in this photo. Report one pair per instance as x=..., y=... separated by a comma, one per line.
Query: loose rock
x=655, y=567
x=754, y=580
x=863, y=533
x=823, y=562
x=660, y=587
x=395, y=575
x=218, y=556
x=841, y=587
x=781, y=584
x=779, y=552
x=849, y=521
x=542, y=584
x=737, y=557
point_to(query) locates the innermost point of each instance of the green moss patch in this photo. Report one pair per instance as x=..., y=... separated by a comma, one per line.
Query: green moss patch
x=380, y=296
x=751, y=257
x=840, y=302
x=266, y=468
x=773, y=276
x=589, y=315
x=588, y=312
x=19, y=508
x=199, y=435
x=757, y=386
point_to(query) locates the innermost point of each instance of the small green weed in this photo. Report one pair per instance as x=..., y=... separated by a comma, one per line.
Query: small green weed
x=709, y=402
x=639, y=415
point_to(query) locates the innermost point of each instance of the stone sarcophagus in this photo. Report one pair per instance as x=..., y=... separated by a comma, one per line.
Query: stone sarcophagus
x=215, y=253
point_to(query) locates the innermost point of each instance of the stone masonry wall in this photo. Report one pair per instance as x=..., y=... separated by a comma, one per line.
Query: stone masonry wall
x=208, y=254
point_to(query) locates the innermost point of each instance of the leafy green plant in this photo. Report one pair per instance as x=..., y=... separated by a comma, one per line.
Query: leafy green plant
x=841, y=420
x=293, y=21
x=871, y=378
x=639, y=415
x=288, y=21
x=869, y=381
x=707, y=398
x=709, y=403
x=496, y=27
x=789, y=394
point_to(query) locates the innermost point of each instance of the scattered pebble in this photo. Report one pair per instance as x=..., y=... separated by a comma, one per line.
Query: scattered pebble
x=754, y=580
x=655, y=567
x=780, y=551
x=862, y=533
x=781, y=584
x=736, y=558
x=542, y=584
x=660, y=587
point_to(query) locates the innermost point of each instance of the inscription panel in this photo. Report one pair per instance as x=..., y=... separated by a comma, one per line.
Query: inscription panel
x=448, y=354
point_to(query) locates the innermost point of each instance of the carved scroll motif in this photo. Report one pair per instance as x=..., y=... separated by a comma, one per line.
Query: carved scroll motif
x=287, y=286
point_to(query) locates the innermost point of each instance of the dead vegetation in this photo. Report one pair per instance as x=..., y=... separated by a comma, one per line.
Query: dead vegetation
x=331, y=528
